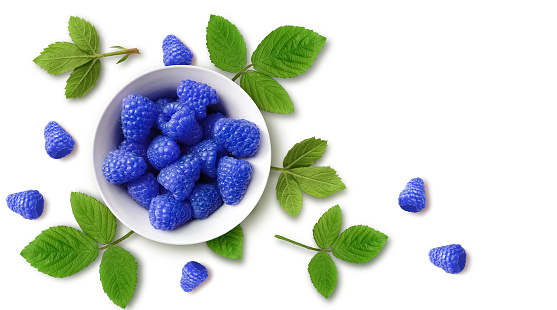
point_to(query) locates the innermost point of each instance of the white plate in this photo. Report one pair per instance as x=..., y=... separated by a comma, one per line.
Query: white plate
x=234, y=102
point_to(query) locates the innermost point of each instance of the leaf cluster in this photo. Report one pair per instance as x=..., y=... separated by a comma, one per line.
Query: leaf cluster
x=286, y=52
x=81, y=57
x=357, y=244
x=62, y=251
x=299, y=175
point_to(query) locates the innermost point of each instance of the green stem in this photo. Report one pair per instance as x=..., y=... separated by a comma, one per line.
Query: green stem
x=299, y=244
x=278, y=169
x=241, y=72
x=128, y=51
x=117, y=241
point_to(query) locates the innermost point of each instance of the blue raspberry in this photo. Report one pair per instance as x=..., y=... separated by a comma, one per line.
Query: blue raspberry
x=58, y=142
x=233, y=178
x=197, y=96
x=451, y=258
x=121, y=167
x=162, y=152
x=208, y=123
x=137, y=116
x=138, y=148
x=193, y=274
x=144, y=189
x=179, y=178
x=177, y=121
x=412, y=198
x=160, y=104
x=205, y=200
x=239, y=136
x=175, y=52
x=209, y=152
x=29, y=204
x=166, y=212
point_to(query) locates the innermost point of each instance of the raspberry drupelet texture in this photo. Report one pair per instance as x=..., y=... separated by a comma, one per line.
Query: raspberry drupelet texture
x=137, y=116
x=179, y=178
x=122, y=166
x=240, y=137
x=58, y=142
x=205, y=200
x=138, y=148
x=177, y=121
x=413, y=198
x=29, y=204
x=175, y=52
x=166, y=212
x=162, y=152
x=193, y=274
x=451, y=258
x=209, y=152
x=161, y=103
x=233, y=178
x=197, y=96
x=144, y=189
x=208, y=123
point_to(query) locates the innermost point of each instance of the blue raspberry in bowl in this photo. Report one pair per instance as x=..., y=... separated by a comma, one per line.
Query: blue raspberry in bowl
x=120, y=167
x=144, y=189
x=162, y=152
x=177, y=121
x=139, y=148
x=233, y=178
x=205, y=199
x=137, y=117
x=238, y=136
x=197, y=96
x=179, y=178
x=208, y=124
x=209, y=152
x=166, y=212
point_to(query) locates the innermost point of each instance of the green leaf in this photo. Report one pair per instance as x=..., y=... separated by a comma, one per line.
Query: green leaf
x=267, y=93
x=358, y=244
x=287, y=51
x=304, y=153
x=61, y=57
x=118, y=272
x=226, y=45
x=289, y=194
x=327, y=228
x=317, y=181
x=230, y=244
x=123, y=59
x=118, y=47
x=94, y=218
x=82, y=79
x=60, y=251
x=84, y=35
x=323, y=273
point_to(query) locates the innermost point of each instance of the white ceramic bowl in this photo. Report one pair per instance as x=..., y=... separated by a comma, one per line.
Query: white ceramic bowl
x=234, y=103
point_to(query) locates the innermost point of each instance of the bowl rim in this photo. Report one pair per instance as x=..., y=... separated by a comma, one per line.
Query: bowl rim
x=160, y=238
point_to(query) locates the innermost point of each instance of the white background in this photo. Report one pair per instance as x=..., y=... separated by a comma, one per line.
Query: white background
x=459, y=93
